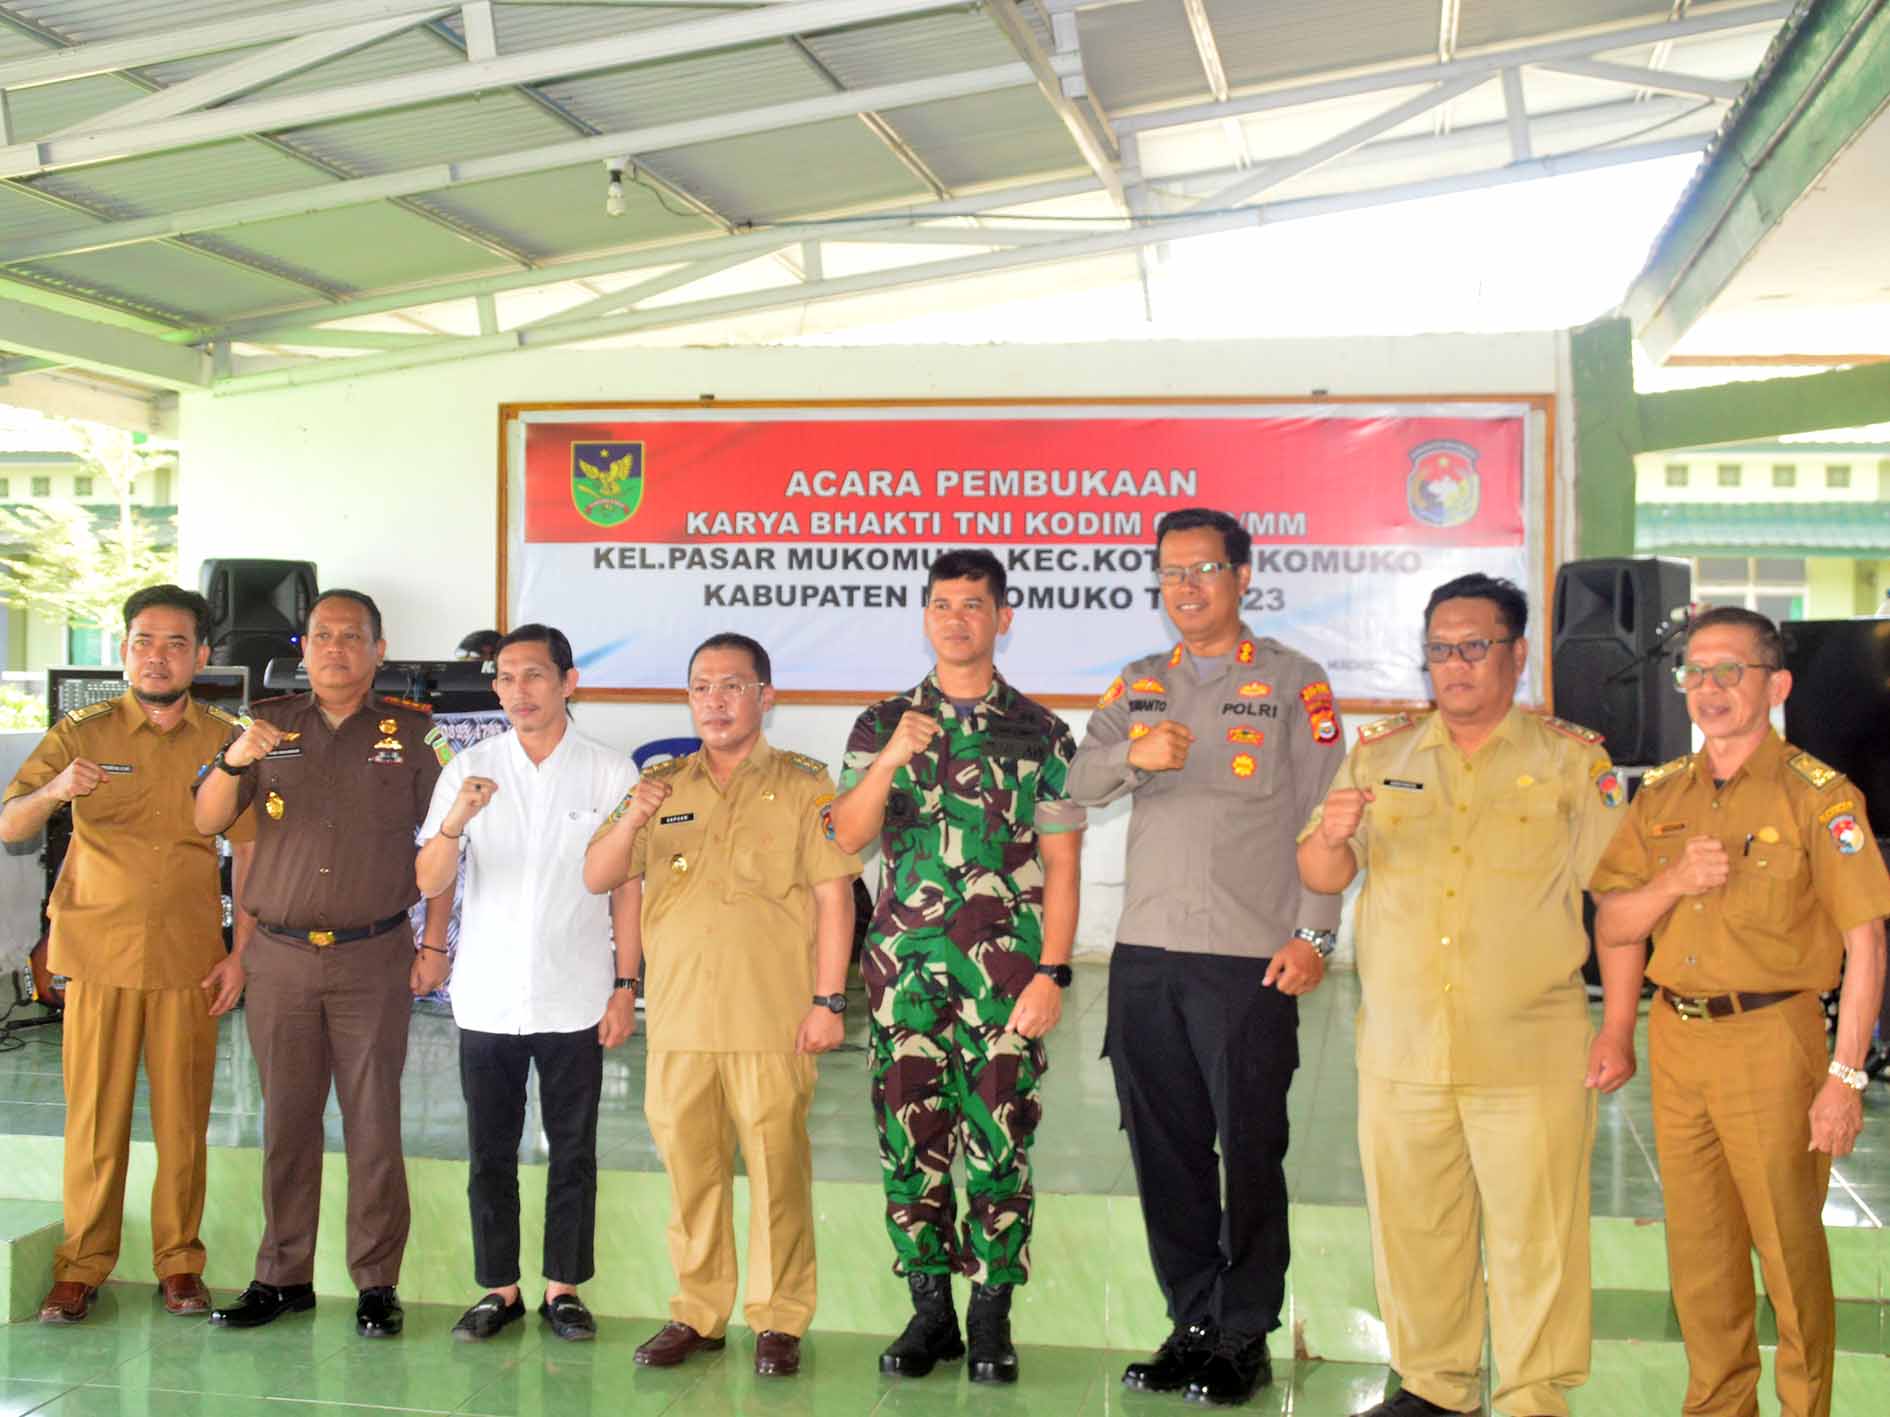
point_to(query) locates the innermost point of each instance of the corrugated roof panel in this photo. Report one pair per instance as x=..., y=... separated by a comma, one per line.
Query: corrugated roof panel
x=1506, y=22
x=991, y=137
x=816, y=168
x=366, y=248
x=1140, y=54
x=174, y=284
x=82, y=21
x=175, y=181
x=919, y=48
x=1262, y=43
x=22, y=214
x=561, y=213
x=51, y=107
x=525, y=27
x=680, y=89
x=408, y=52
x=502, y=121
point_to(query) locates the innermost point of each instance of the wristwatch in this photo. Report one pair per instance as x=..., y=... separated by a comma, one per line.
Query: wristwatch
x=1059, y=972
x=1325, y=941
x=836, y=1003
x=224, y=763
x=1854, y=1078
x=629, y=984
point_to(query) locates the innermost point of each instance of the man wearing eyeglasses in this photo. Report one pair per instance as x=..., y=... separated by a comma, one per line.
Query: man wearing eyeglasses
x=1753, y=867
x=1225, y=742
x=731, y=882
x=1476, y=827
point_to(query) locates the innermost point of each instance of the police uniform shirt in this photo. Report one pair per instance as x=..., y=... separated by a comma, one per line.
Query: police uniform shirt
x=1470, y=938
x=137, y=904
x=1210, y=849
x=535, y=952
x=335, y=813
x=728, y=900
x=1805, y=868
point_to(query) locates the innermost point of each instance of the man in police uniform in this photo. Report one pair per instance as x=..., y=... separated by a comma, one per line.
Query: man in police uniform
x=962, y=779
x=1476, y=827
x=137, y=929
x=1227, y=743
x=1753, y=867
x=340, y=781
x=734, y=888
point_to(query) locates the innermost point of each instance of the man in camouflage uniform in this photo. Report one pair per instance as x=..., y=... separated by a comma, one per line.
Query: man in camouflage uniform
x=962, y=782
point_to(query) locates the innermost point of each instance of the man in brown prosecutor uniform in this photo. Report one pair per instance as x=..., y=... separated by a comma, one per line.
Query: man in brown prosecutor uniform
x=340, y=782
x=137, y=929
x=1753, y=867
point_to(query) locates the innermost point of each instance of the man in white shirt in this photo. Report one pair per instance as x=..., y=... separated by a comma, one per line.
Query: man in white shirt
x=536, y=980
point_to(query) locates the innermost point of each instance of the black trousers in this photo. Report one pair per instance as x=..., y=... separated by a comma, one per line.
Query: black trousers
x=492, y=1072
x=1203, y=1053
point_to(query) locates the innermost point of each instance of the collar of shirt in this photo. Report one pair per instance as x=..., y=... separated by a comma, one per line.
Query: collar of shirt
x=132, y=716
x=1434, y=736
x=1767, y=762
x=1243, y=654
x=930, y=697
x=759, y=760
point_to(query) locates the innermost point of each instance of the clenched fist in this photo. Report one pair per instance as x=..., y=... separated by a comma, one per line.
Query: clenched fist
x=1702, y=867
x=1344, y=810
x=909, y=739
x=259, y=740
x=649, y=794
x=474, y=794
x=79, y=778
x=1163, y=749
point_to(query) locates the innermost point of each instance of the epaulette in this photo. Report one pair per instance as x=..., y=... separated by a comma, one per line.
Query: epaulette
x=80, y=715
x=813, y=767
x=1665, y=770
x=667, y=768
x=1814, y=772
x=416, y=705
x=1575, y=731
x=1385, y=727
x=222, y=715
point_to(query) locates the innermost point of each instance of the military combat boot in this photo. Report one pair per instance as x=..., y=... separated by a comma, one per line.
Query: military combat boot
x=931, y=1337
x=988, y=1325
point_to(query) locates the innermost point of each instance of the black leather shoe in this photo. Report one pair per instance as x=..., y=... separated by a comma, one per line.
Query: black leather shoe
x=569, y=1319
x=487, y=1317
x=378, y=1313
x=1409, y=1404
x=1236, y=1366
x=264, y=1303
x=1175, y=1363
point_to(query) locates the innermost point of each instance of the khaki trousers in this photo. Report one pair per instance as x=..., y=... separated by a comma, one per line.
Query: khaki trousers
x=700, y=1106
x=1447, y=1166
x=106, y=1031
x=1732, y=1099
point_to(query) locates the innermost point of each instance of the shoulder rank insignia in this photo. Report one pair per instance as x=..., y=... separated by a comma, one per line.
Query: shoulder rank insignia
x=1814, y=772
x=1573, y=730
x=80, y=715
x=224, y=716
x=669, y=767
x=1385, y=727
x=811, y=766
x=417, y=705
x=1665, y=770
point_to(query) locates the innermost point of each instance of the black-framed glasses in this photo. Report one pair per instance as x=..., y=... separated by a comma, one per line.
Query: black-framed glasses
x=1724, y=675
x=1195, y=572
x=1469, y=651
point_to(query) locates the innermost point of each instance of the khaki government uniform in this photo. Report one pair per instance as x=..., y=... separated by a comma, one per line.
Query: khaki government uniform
x=1732, y=1095
x=1474, y=1122
x=336, y=811
x=137, y=922
x=728, y=933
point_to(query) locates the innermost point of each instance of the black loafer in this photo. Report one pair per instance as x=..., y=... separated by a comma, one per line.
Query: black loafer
x=263, y=1303
x=487, y=1317
x=1238, y=1365
x=378, y=1314
x=569, y=1319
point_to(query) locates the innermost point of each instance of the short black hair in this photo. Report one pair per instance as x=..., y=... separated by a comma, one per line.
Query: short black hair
x=728, y=639
x=484, y=643
x=169, y=597
x=969, y=564
x=554, y=641
x=1234, y=537
x=359, y=597
x=1771, y=643
x=1512, y=606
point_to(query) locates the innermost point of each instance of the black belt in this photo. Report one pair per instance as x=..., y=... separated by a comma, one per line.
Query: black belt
x=1722, y=1005
x=322, y=939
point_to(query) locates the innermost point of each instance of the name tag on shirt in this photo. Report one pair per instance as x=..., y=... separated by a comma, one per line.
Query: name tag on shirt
x=1402, y=784
x=675, y=819
x=120, y=768
x=1015, y=739
x=282, y=753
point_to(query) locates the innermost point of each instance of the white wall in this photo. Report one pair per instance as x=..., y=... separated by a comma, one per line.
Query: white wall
x=390, y=483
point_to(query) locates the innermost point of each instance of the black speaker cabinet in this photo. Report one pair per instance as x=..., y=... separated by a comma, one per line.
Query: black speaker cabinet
x=257, y=609
x=1615, y=625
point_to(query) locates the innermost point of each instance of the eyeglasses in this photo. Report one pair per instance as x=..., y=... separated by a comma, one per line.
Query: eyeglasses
x=726, y=689
x=1192, y=574
x=1724, y=676
x=1469, y=651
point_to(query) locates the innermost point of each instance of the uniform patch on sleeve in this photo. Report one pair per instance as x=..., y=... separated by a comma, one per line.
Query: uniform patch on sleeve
x=1608, y=785
x=1112, y=693
x=1320, y=713
x=1836, y=809
x=1845, y=831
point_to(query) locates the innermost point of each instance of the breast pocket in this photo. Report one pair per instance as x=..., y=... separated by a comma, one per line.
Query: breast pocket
x=1765, y=883
x=1403, y=824
x=764, y=853
x=1532, y=830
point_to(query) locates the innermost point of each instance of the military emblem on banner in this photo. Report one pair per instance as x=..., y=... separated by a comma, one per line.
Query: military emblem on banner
x=606, y=481
x=1443, y=488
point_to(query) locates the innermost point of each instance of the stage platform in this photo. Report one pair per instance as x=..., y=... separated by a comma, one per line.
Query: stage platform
x=1091, y=1304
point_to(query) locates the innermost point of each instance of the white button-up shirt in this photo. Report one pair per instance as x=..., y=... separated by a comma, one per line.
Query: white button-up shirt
x=535, y=948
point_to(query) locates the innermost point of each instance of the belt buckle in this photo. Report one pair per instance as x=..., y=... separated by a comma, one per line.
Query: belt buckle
x=1688, y=1008
x=321, y=939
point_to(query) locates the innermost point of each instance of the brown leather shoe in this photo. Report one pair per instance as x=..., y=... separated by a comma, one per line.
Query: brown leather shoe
x=676, y=1343
x=777, y=1355
x=184, y=1294
x=67, y=1302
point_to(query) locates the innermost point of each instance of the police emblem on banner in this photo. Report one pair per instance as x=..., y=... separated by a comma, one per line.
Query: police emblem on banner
x=606, y=481
x=1443, y=488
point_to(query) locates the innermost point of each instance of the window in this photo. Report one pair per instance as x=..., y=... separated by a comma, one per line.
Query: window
x=1784, y=475
x=42, y=487
x=1837, y=476
x=1729, y=474
x=1676, y=474
x=81, y=487
x=6, y=488
x=1772, y=585
x=85, y=644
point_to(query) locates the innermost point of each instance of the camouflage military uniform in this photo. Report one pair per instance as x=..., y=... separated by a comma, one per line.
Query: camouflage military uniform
x=955, y=937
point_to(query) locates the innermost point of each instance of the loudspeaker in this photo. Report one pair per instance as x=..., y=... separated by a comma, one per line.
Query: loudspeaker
x=1613, y=623
x=257, y=609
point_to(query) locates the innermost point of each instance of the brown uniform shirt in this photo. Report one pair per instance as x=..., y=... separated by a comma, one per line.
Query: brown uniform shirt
x=728, y=900
x=336, y=812
x=1470, y=938
x=137, y=904
x=1805, y=868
